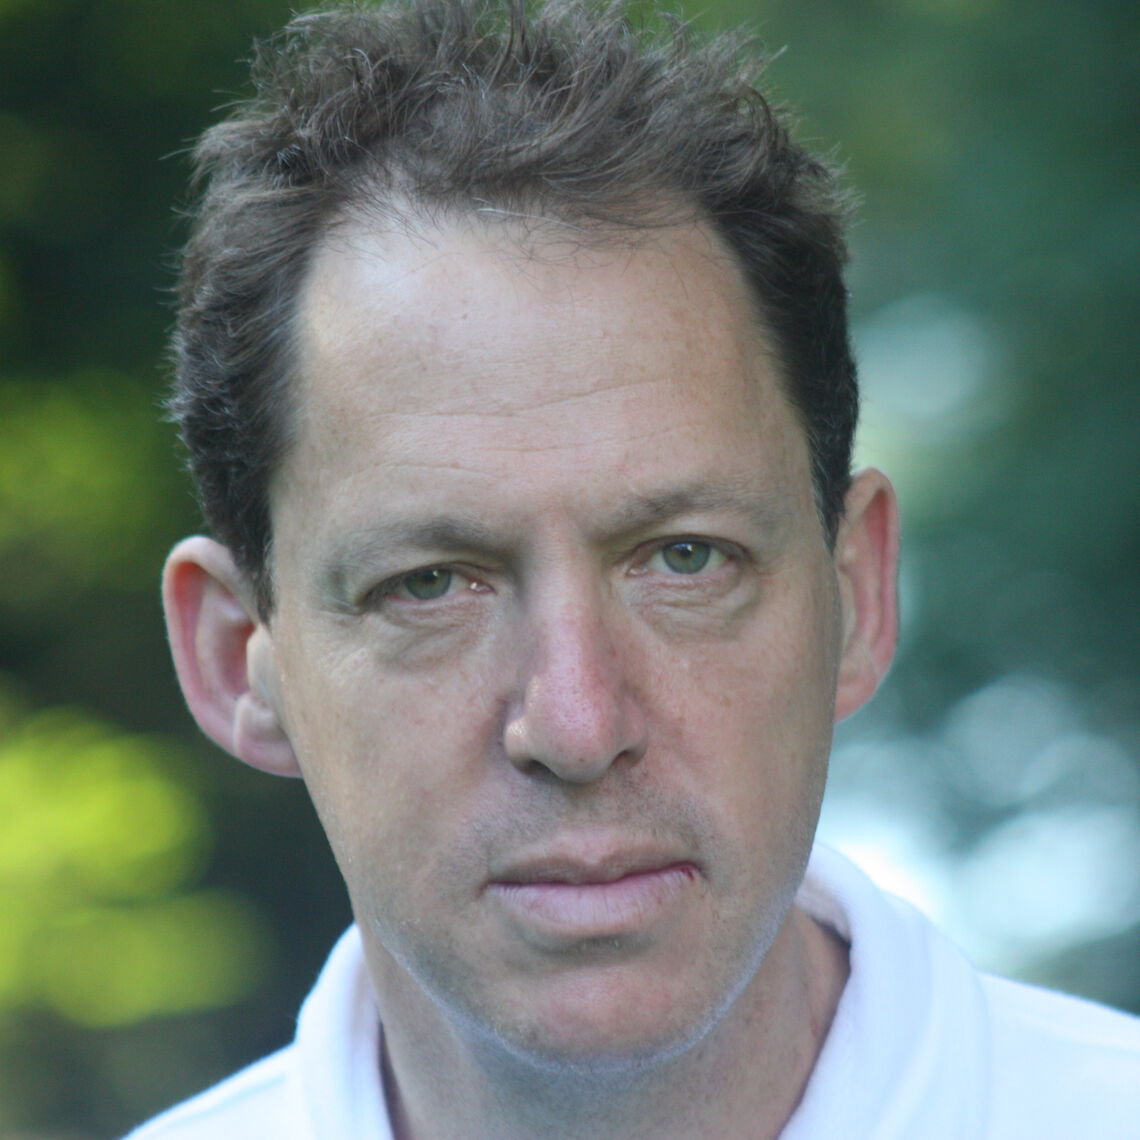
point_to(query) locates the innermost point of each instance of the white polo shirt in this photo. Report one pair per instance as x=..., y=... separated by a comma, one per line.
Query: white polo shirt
x=923, y=1047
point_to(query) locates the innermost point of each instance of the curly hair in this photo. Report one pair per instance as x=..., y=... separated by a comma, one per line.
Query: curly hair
x=420, y=107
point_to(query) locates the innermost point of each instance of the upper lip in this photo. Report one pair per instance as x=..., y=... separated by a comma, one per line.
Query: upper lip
x=579, y=867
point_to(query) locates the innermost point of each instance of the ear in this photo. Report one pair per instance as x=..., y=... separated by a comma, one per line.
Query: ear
x=866, y=559
x=223, y=655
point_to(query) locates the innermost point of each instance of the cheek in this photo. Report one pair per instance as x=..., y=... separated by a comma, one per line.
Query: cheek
x=754, y=718
x=389, y=762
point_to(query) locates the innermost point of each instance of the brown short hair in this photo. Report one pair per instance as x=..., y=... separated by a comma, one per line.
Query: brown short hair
x=458, y=105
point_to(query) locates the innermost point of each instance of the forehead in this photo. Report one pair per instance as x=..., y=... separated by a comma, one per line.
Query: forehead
x=371, y=290
x=477, y=348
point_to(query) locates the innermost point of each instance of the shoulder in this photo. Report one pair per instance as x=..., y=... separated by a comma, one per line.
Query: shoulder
x=1060, y=1022
x=1071, y=1066
x=924, y=1045
x=250, y=1105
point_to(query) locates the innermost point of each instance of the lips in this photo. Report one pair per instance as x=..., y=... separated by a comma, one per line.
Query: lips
x=593, y=898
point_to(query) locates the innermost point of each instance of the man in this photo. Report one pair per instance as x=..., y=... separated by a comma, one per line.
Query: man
x=513, y=366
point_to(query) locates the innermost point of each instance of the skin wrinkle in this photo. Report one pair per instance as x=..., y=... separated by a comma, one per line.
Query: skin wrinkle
x=520, y=448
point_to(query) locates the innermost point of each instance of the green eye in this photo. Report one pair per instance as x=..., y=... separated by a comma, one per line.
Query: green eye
x=686, y=557
x=426, y=585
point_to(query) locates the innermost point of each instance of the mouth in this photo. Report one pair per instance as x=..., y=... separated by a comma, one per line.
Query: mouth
x=583, y=899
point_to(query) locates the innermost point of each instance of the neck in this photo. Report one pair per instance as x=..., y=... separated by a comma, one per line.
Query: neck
x=742, y=1080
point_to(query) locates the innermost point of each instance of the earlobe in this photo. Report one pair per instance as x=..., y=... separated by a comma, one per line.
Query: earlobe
x=866, y=558
x=223, y=656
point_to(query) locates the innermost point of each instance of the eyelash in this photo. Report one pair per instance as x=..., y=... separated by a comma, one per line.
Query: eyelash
x=713, y=551
x=396, y=587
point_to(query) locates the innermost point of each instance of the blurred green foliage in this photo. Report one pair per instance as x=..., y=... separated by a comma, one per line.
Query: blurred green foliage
x=162, y=910
x=98, y=492
x=100, y=840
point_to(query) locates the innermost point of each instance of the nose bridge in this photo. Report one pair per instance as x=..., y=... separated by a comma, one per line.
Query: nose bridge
x=575, y=710
x=577, y=658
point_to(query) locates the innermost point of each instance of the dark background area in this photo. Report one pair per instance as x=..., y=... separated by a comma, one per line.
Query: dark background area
x=163, y=910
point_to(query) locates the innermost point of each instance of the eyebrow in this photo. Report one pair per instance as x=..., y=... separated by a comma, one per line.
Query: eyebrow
x=450, y=534
x=363, y=548
x=762, y=506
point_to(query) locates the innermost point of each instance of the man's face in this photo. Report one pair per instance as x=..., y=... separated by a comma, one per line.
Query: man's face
x=557, y=629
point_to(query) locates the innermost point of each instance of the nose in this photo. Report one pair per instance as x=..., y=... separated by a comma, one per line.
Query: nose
x=576, y=714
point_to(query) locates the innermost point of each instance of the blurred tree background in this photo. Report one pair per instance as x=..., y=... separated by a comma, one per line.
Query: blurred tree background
x=163, y=910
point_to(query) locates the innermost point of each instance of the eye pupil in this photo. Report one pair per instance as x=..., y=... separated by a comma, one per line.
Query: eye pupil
x=427, y=584
x=686, y=557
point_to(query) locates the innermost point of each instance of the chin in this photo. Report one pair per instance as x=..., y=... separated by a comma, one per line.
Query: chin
x=597, y=1036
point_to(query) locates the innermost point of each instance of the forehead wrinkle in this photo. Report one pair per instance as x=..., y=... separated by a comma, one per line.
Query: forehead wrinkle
x=527, y=440
x=489, y=403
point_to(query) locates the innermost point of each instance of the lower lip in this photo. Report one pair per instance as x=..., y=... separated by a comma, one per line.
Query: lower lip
x=597, y=909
